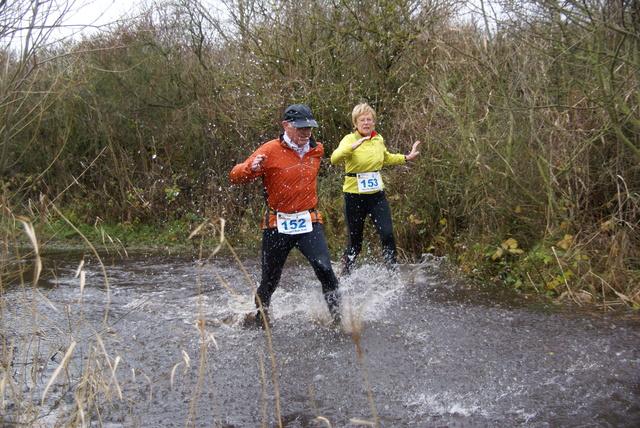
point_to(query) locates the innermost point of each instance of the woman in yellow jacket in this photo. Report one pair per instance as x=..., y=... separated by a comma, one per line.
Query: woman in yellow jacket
x=364, y=154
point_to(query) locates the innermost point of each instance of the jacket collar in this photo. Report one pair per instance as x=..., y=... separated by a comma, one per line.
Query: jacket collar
x=373, y=133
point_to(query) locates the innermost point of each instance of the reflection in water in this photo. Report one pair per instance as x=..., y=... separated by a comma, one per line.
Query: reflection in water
x=434, y=353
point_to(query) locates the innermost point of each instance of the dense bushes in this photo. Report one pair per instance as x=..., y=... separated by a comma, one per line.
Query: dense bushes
x=529, y=171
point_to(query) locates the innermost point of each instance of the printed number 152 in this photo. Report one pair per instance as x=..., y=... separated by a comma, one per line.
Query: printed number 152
x=294, y=224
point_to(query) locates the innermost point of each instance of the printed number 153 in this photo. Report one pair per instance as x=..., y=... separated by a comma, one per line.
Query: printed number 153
x=372, y=182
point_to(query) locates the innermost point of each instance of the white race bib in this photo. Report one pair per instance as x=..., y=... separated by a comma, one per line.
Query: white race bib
x=294, y=224
x=369, y=181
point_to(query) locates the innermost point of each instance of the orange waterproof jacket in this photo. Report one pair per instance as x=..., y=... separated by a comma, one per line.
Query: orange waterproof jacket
x=289, y=181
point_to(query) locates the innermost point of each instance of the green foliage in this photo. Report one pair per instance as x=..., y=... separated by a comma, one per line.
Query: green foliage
x=134, y=234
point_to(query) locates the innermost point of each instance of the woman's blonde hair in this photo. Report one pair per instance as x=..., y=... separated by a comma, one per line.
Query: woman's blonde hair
x=360, y=110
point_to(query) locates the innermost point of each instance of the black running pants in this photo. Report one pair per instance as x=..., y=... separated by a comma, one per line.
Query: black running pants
x=356, y=209
x=313, y=245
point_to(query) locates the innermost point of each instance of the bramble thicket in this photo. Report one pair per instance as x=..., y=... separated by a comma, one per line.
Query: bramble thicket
x=529, y=172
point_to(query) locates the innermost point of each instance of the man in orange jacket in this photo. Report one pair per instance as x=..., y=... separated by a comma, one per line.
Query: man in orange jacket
x=289, y=168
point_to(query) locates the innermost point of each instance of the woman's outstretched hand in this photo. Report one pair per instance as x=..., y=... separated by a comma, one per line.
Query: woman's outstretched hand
x=414, y=151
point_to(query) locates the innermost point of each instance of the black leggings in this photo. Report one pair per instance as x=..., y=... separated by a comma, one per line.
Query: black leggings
x=356, y=208
x=313, y=245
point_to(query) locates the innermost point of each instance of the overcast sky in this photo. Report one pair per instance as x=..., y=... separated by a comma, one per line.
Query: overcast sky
x=104, y=10
x=77, y=16
x=94, y=13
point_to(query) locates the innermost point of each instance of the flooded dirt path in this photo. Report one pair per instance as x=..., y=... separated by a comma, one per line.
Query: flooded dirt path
x=415, y=349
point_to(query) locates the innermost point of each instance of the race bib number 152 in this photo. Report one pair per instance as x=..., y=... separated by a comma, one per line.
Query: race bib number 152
x=294, y=224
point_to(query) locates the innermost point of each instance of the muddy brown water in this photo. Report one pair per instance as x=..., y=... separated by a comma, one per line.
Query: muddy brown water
x=416, y=349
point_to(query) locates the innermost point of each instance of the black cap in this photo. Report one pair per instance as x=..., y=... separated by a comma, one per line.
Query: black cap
x=299, y=115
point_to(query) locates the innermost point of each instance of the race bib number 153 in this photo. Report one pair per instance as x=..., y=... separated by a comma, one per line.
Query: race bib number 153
x=369, y=181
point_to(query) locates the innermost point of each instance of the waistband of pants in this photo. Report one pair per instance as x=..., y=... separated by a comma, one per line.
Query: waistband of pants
x=353, y=174
x=269, y=220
